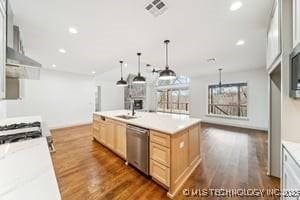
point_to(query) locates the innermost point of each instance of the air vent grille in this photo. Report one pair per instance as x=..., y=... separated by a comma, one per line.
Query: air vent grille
x=156, y=7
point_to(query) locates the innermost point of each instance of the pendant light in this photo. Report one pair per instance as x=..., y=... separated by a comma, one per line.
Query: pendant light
x=139, y=79
x=121, y=82
x=167, y=74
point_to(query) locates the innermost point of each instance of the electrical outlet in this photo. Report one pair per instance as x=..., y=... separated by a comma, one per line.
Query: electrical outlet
x=181, y=145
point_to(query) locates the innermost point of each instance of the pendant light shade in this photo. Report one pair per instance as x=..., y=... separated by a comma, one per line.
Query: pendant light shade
x=167, y=74
x=121, y=82
x=139, y=79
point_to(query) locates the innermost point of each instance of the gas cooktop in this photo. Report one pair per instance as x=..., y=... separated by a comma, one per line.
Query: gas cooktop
x=19, y=132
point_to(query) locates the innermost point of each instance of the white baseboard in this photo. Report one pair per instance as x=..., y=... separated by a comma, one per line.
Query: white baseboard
x=70, y=125
x=236, y=125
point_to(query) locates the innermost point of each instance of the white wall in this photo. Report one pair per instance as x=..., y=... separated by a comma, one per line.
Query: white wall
x=257, y=98
x=62, y=99
x=2, y=109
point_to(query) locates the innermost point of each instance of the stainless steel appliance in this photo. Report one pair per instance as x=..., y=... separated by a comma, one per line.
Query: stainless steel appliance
x=18, y=65
x=138, y=148
x=295, y=73
x=138, y=104
x=19, y=132
x=23, y=131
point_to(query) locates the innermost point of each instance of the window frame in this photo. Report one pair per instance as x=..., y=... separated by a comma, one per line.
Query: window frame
x=227, y=116
x=174, y=88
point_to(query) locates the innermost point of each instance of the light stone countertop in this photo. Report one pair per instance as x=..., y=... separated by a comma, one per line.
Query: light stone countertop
x=294, y=149
x=27, y=172
x=166, y=123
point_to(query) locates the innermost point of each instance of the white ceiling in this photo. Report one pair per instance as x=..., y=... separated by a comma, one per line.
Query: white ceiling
x=111, y=30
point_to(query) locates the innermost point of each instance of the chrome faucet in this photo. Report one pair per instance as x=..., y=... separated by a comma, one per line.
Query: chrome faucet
x=132, y=108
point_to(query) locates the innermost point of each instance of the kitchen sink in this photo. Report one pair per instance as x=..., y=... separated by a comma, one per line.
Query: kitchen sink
x=126, y=117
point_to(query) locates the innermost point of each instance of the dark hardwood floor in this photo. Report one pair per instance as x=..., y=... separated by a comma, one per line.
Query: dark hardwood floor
x=231, y=158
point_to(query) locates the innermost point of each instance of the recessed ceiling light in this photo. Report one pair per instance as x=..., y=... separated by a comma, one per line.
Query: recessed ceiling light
x=93, y=72
x=73, y=30
x=236, y=5
x=53, y=65
x=62, y=51
x=125, y=64
x=240, y=42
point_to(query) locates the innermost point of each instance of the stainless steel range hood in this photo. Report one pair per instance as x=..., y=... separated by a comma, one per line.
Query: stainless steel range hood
x=17, y=64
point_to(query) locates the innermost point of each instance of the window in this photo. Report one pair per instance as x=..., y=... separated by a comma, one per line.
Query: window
x=230, y=100
x=173, y=96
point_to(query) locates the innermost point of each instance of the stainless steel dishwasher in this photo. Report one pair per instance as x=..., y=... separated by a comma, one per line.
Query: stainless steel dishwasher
x=138, y=148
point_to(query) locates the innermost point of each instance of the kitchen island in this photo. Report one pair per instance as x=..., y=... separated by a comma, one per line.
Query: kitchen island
x=174, y=143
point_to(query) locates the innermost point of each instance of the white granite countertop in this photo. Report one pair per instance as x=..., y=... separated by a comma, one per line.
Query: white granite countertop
x=167, y=123
x=294, y=149
x=26, y=171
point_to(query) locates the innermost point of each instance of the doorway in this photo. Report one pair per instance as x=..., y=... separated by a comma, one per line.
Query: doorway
x=98, y=99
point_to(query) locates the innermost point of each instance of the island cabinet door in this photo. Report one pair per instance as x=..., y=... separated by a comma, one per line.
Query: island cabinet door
x=110, y=132
x=120, y=139
x=96, y=132
x=194, y=144
x=102, y=130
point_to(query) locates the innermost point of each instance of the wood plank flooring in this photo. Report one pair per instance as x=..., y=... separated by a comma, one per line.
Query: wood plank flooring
x=231, y=158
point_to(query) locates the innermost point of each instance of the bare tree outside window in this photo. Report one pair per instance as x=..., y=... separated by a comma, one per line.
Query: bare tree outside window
x=230, y=100
x=174, y=96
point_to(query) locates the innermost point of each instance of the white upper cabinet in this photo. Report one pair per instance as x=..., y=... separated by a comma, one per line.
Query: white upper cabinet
x=273, y=39
x=2, y=48
x=296, y=22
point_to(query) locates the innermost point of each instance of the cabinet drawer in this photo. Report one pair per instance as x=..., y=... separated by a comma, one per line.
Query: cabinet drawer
x=160, y=154
x=160, y=172
x=160, y=138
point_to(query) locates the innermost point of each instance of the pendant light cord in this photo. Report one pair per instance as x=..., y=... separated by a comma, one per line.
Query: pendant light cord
x=139, y=61
x=167, y=53
x=220, y=78
x=121, y=62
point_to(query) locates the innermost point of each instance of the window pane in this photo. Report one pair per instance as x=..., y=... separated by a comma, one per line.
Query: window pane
x=230, y=100
x=173, y=97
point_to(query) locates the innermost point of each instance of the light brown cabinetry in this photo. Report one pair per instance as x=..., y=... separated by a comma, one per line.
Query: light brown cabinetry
x=174, y=157
x=120, y=139
x=160, y=157
x=96, y=132
x=102, y=130
x=160, y=138
x=160, y=154
x=110, y=133
x=160, y=173
x=194, y=141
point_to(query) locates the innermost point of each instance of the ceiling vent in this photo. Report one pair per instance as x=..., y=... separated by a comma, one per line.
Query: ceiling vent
x=157, y=7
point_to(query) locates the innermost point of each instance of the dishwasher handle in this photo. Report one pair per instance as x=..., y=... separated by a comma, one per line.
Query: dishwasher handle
x=137, y=129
